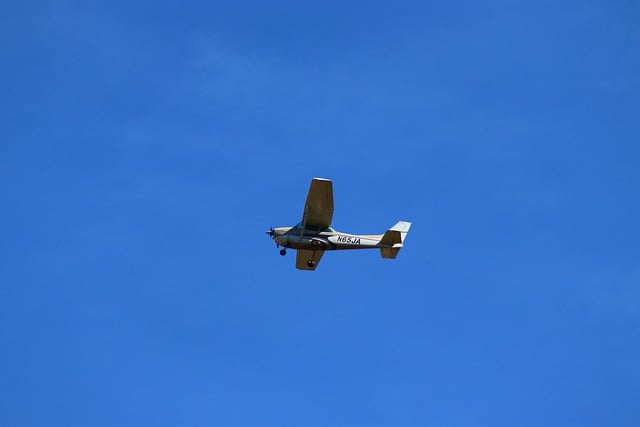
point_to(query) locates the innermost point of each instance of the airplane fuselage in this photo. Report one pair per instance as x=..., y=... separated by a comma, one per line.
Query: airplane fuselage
x=290, y=237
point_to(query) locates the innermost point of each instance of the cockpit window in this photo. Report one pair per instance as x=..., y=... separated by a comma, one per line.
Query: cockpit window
x=315, y=229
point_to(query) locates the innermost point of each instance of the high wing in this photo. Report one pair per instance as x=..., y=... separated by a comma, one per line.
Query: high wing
x=318, y=209
x=304, y=256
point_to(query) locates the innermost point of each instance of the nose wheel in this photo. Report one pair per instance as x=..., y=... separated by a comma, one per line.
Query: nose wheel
x=283, y=251
x=311, y=263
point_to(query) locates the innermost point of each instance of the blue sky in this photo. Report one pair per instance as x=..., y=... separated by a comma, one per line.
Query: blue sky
x=145, y=148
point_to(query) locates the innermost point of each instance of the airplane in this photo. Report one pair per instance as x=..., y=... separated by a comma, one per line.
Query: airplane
x=312, y=236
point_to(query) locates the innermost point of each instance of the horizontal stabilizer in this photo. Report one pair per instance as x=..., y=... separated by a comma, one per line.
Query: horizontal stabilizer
x=390, y=253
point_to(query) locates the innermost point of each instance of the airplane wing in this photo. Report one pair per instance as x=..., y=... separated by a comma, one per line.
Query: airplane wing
x=303, y=257
x=318, y=210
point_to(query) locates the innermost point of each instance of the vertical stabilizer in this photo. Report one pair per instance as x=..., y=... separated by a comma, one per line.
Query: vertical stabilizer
x=393, y=239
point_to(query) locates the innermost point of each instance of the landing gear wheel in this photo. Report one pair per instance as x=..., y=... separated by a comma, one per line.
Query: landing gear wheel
x=311, y=263
x=283, y=252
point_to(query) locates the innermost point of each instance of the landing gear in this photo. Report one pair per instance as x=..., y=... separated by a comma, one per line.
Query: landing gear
x=311, y=263
x=283, y=251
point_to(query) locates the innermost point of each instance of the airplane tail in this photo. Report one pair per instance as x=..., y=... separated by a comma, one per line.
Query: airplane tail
x=393, y=239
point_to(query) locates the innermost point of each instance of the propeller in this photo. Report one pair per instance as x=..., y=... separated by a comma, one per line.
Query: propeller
x=273, y=235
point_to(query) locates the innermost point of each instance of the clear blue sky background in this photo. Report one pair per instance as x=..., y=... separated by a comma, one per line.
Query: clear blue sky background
x=145, y=148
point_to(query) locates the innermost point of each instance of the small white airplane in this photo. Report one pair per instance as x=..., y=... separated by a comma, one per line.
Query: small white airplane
x=314, y=235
